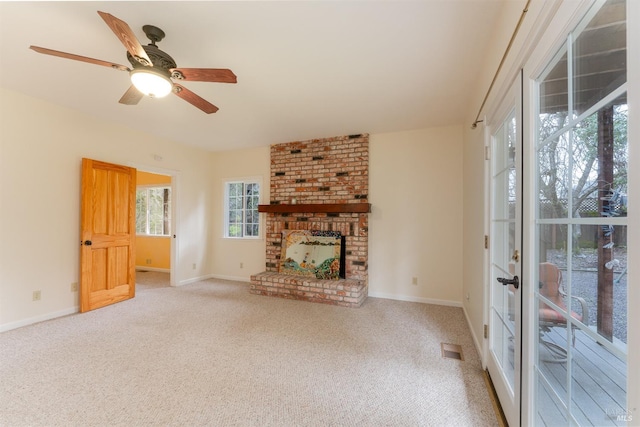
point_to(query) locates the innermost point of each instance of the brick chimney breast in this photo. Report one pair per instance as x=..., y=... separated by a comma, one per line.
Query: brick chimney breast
x=319, y=171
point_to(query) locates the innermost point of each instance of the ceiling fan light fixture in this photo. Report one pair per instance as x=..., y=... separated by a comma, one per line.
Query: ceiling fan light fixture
x=151, y=83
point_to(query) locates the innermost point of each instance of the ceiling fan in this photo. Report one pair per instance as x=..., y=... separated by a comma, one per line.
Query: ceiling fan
x=152, y=70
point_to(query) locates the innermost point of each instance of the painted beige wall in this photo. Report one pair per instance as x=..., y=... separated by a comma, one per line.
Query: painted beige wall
x=229, y=253
x=41, y=147
x=415, y=227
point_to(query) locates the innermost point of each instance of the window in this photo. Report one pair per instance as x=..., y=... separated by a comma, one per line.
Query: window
x=153, y=211
x=241, y=209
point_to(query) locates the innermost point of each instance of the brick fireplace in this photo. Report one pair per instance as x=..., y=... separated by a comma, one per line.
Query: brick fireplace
x=323, y=185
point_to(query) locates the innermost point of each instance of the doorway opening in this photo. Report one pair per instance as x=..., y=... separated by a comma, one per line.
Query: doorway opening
x=155, y=229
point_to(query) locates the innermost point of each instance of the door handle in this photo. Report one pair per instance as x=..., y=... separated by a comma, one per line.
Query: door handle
x=515, y=281
x=88, y=242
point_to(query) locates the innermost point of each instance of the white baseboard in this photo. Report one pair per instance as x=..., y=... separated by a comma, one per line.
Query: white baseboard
x=473, y=335
x=214, y=276
x=415, y=299
x=160, y=270
x=233, y=278
x=193, y=280
x=37, y=319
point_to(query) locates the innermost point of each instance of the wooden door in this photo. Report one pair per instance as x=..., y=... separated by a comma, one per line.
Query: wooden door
x=107, y=255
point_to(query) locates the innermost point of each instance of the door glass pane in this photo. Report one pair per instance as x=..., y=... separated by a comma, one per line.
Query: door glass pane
x=554, y=89
x=551, y=302
x=599, y=162
x=553, y=173
x=551, y=411
x=553, y=350
x=598, y=384
x=581, y=297
x=598, y=280
x=600, y=56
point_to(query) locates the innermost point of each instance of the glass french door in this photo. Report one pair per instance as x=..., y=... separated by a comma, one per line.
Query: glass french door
x=580, y=362
x=504, y=341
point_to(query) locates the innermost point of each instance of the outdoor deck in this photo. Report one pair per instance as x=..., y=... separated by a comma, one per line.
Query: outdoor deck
x=598, y=390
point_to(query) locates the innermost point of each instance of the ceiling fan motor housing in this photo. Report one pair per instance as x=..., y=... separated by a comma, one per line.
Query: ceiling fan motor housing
x=162, y=61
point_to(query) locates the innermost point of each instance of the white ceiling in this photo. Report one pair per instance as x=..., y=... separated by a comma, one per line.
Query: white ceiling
x=306, y=69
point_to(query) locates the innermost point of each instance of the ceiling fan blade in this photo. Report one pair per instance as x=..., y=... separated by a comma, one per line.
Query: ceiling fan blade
x=220, y=75
x=127, y=37
x=78, y=58
x=194, y=99
x=131, y=97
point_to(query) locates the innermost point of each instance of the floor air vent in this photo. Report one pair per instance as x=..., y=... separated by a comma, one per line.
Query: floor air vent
x=451, y=351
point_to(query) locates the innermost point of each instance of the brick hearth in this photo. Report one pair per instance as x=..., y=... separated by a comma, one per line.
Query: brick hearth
x=320, y=171
x=344, y=292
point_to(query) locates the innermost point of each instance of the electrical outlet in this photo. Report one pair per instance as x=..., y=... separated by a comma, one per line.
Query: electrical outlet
x=242, y=265
x=74, y=287
x=414, y=281
x=36, y=295
x=148, y=260
x=193, y=266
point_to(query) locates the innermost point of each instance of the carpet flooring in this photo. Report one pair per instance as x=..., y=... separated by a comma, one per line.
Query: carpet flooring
x=211, y=354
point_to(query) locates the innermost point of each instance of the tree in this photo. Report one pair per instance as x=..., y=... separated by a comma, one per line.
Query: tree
x=568, y=164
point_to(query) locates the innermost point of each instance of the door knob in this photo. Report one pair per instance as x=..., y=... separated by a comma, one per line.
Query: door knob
x=515, y=281
x=88, y=242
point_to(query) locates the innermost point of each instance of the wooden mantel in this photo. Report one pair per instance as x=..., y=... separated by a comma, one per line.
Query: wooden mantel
x=317, y=208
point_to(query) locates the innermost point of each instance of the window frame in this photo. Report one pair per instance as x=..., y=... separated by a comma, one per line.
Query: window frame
x=226, y=191
x=147, y=188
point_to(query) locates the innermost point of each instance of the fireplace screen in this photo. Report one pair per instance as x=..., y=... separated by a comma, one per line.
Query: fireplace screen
x=311, y=253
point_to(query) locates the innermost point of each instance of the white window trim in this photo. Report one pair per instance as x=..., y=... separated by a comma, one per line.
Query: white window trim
x=149, y=186
x=225, y=213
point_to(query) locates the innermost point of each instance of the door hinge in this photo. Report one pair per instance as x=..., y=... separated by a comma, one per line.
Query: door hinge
x=486, y=331
x=486, y=242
